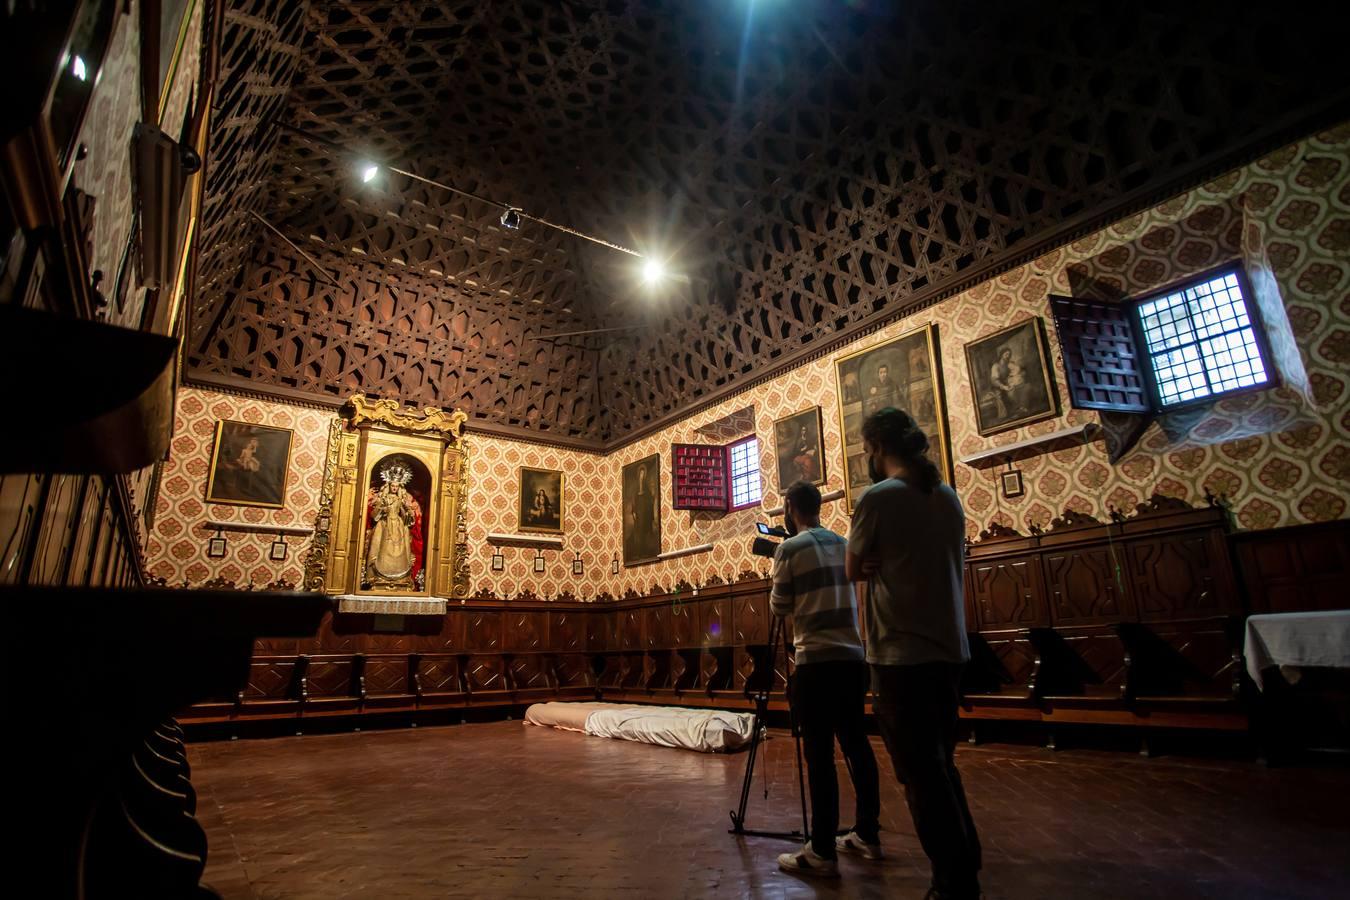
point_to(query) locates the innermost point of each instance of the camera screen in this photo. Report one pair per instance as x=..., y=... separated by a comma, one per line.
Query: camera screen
x=763, y=529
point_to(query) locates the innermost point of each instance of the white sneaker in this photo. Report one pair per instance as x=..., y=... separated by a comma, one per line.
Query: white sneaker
x=851, y=843
x=806, y=862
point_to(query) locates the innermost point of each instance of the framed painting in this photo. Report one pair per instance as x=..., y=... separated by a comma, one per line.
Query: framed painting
x=799, y=448
x=905, y=373
x=249, y=465
x=539, y=506
x=641, y=510
x=1010, y=378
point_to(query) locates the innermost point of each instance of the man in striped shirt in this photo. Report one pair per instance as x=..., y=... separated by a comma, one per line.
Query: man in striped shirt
x=830, y=684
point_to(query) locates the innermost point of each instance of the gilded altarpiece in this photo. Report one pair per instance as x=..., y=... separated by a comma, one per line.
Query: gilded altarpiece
x=391, y=510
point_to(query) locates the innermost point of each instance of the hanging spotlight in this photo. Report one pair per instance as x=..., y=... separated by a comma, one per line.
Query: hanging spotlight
x=368, y=172
x=653, y=270
x=511, y=218
x=78, y=68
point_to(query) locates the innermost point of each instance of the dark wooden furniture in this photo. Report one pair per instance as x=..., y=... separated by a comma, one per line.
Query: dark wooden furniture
x=1132, y=622
x=1135, y=621
x=1306, y=567
x=105, y=793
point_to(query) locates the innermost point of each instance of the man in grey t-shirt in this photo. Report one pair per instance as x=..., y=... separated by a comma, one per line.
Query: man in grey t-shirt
x=907, y=541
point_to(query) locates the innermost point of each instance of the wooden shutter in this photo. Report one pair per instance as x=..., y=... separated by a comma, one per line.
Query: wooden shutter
x=1100, y=356
x=700, y=477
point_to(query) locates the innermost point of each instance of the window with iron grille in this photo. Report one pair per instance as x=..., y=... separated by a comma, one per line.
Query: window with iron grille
x=743, y=463
x=1187, y=344
x=1200, y=341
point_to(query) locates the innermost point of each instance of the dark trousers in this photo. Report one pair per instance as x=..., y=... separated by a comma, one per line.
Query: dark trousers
x=828, y=702
x=915, y=707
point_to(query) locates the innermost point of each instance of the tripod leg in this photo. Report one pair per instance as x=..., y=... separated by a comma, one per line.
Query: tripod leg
x=796, y=733
x=752, y=755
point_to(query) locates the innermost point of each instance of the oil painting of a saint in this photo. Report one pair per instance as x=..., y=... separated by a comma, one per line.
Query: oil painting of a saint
x=1010, y=378
x=248, y=467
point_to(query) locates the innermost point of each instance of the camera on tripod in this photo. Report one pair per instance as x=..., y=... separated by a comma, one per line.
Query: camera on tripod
x=762, y=546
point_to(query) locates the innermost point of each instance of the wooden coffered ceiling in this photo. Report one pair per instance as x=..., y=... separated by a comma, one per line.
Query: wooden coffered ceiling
x=811, y=167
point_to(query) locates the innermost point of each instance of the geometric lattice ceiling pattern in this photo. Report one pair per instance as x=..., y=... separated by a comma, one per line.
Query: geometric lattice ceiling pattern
x=811, y=168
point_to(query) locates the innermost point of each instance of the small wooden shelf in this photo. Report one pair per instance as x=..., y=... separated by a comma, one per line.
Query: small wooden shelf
x=1032, y=446
x=540, y=541
x=258, y=528
x=687, y=551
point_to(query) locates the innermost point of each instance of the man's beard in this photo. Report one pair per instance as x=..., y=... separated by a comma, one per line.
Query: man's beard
x=873, y=472
x=789, y=525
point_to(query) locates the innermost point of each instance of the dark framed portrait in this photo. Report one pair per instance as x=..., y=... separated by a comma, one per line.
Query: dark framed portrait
x=904, y=373
x=799, y=448
x=1010, y=378
x=641, y=510
x=540, y=504
x=249, y=465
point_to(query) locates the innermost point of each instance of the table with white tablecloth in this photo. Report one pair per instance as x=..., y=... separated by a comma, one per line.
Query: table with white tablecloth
x=1294, y=641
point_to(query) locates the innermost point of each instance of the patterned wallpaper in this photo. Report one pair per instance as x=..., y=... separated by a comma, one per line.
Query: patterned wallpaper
x=177, y=547
x=1282, y=456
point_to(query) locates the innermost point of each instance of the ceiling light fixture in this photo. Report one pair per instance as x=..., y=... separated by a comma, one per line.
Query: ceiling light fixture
x=78, y=68
x=510, y=214
x=653, y=270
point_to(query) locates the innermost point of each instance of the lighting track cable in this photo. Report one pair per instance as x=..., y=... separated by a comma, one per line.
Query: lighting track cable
x=508, y=211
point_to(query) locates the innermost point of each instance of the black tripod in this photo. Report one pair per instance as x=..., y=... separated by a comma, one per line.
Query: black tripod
x=777, y=638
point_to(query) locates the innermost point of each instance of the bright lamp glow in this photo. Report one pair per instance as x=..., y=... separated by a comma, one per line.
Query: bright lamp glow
x=78, y=69
x=653, y=270
x=368, y=172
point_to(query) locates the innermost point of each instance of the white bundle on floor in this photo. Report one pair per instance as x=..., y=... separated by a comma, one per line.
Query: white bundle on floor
x=704, y=730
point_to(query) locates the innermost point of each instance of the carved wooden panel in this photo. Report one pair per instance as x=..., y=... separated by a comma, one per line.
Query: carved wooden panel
x=1016, y=658
x=269, y=679
x=439, y=674
x=632, y=669
x=1086, y=587
x=802, y=201
x=567, y=631
x=1185, y=657
x=483, y=630
x=600, y=629
x=451, y=634
x=574, y=670
x=387, y=675
x=531, y=672
x=1296, y=569
x=526, y=630
x=1099, y=660
x=630, y=629
x=330, y=677
x=1008, y=593
x=714, y=618
x=1180, y=577
x=275, y=647
x=752, y=619
x=656, y=626
x=485, y=674
x=684, y=625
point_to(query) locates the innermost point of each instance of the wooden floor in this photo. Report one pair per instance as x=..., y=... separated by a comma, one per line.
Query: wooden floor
x=507, y=810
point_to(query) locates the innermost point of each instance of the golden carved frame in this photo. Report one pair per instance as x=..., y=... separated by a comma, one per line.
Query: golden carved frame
x=365, y=430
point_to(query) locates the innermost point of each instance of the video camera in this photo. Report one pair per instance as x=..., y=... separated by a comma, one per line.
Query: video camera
x=762, y=546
